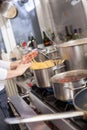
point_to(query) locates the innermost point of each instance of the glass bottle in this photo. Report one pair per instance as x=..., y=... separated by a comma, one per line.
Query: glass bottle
x=75, y=36
x=33, y=42
x=68, y=35
x=46, y=40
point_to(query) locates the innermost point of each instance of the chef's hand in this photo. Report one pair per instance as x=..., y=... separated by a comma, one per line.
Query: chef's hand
x=28, y=57
x=22, y=68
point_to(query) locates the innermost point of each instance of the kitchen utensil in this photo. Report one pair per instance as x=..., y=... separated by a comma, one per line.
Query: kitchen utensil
x=53, y=54
x=75, y=53
x=8, y=9
x=67, y=84
x=80, y=103
x=42, y=76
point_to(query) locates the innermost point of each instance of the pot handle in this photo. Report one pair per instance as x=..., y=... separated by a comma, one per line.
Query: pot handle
x=58, y=68
x=83, y=86
x=44, y=117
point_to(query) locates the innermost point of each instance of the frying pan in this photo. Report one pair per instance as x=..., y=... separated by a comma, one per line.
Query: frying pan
x=79, y=101
x=8, y=9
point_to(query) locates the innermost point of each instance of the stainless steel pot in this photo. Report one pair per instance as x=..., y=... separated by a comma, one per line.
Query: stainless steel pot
x=8, y=9
x=42, y=76
x=67, y=84
x=75, y=53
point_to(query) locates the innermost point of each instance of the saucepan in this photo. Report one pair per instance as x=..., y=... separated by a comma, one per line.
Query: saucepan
x=79, y=101
x=67, y=84
x=8, y=9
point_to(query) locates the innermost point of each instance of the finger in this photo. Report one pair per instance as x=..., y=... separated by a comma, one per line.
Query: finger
x=27, y=58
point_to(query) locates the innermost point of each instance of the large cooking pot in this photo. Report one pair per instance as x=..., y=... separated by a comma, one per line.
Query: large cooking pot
x=80, y=103
x=42, y=76
x=67, y=84
x=75, y=53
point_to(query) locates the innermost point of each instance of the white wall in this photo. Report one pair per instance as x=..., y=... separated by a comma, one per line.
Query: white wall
x=56, y=14
x=66, y=14
x=43, y=13
x=7, y=34
x=45, y=16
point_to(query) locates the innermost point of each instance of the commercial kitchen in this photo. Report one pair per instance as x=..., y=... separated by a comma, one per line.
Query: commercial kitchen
x=52, y=93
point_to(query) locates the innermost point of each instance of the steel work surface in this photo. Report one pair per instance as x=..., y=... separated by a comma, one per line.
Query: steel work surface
x=24, y=110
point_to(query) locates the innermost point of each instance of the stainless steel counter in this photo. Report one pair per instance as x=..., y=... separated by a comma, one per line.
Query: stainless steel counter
x=24, y=110
x=63, y=124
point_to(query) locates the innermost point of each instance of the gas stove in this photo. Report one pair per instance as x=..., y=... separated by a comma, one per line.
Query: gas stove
x=46, y=103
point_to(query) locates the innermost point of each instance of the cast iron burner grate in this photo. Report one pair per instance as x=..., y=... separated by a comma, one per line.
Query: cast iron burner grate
x=59, y=105
x=41, y=92
x=46, y=95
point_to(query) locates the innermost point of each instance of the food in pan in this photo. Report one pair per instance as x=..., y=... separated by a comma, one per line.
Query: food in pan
x=46, y=64
x=42, y=65
x=72, y=78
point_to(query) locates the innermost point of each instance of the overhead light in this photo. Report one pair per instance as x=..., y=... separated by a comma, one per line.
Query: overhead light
x=74, y=2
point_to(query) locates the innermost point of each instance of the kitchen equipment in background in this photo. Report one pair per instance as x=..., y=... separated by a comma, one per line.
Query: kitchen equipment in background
x=41, y=55
x=67, y=84
x=75, y=54
x=52, y=52
x=8, y=9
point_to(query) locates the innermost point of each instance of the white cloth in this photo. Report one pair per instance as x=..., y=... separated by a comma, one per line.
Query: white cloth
x=4, y=66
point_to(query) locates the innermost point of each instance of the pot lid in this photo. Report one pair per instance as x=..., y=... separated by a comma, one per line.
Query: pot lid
x=74, y=43
x=8, y=9
x=69, y=76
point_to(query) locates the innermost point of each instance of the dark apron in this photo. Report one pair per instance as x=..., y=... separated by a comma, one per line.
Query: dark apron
x=3, y=103
x=3, y=110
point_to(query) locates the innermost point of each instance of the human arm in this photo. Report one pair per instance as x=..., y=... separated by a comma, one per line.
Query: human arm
x=26, y=59
x=13, y=65
x=21, y=68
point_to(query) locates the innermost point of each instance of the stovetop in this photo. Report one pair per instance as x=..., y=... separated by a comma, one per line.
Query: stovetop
x=47, y=95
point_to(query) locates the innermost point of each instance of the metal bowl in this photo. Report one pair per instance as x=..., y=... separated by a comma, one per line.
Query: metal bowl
x=8, y=9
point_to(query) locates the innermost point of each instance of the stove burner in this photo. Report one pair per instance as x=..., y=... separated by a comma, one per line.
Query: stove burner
x=47, y=95
x=59, y=105
x=42, y=92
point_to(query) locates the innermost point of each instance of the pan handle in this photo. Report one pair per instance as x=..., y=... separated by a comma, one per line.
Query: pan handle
x=83, y=86
x=45, y=117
